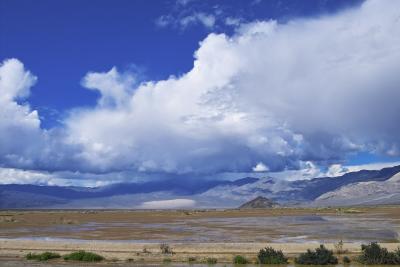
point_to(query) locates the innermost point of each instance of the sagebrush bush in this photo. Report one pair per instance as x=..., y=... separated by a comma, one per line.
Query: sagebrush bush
x=211, y=260
x=166, y=249
x=42, y=256
x=339, y=247
x=240, y=260
x=269, y=255
x=346, y=260
x=191, y=259
x=83, y=256
x=167, y=260
x=374, y=254
x=321, y=256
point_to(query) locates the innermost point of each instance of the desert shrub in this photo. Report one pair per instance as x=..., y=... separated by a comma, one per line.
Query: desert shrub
x=211, y=260
x=321, y=256
x=191, y=259
x=240, y=260
x=346, y=260
x=167, y=260
x=165, y=249
x=269, y=255
x=83, y=256
x=42, y=256
x=339, y=247
x=374, y=254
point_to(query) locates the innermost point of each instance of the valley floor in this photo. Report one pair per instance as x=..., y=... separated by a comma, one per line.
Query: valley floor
x=221, y=234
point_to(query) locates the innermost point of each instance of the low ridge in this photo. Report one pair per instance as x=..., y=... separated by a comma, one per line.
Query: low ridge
x=259, y=203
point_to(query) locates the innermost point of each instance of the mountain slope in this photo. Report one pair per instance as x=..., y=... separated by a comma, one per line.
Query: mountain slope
x=364, y=193
x=308, y=190
x=22, y=200
x=180, y=186
x=35, y=196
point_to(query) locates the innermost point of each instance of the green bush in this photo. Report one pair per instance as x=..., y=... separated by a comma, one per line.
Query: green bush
x=374, y=254
x=240, y=260
x=321, y=256
x=43, y=256
x=269, y=255
x=83, y=256
x=346, y=260
x=211, y=260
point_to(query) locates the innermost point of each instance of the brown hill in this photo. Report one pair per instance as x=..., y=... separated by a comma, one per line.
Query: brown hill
x=259, y=203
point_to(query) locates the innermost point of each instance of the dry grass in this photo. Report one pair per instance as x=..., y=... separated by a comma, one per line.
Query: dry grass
x=223, y=252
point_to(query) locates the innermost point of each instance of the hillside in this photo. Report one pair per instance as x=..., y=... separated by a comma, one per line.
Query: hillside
x=259, y=203
x=364, y=193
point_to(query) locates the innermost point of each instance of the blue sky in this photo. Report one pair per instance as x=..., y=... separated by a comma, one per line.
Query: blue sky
x=71, y=46
x=62, y=40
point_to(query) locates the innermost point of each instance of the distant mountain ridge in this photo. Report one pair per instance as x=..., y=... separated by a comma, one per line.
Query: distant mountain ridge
x=294, y=192
x=364, y=193
x=176, y=186
x=206, y=193
x=31, y=196
x=307, y=190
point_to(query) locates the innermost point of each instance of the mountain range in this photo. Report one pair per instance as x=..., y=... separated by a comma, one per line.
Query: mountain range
x=364, y=193
x=209, y=193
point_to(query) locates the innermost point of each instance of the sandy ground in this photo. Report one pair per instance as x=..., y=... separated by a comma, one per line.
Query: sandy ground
x=117, y=242
x=150, y=252
x=205, y=226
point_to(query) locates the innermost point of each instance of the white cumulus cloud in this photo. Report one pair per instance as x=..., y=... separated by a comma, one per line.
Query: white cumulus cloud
x=290, y=96
x=20, y=134
x=260, y=167
x=310, y=90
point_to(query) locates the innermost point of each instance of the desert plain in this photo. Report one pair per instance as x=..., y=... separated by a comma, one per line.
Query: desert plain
x=135, y=236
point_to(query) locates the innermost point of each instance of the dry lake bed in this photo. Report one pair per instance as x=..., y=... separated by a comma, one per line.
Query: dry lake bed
x=135, y=236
